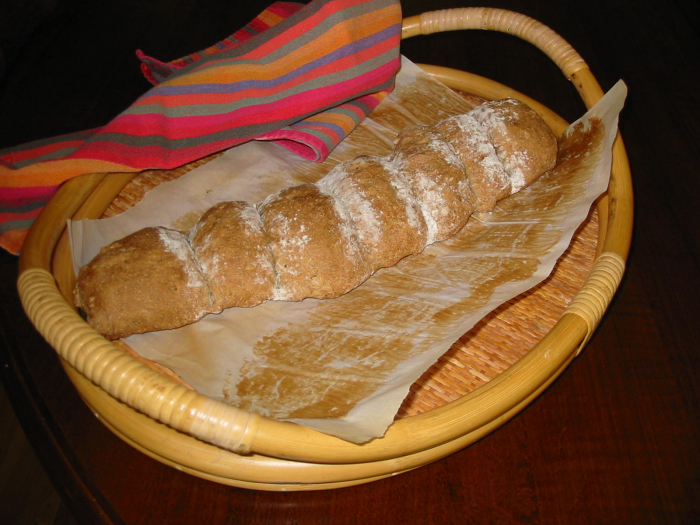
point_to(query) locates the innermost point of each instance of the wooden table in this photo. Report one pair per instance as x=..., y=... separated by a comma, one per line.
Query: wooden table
x=614, y=440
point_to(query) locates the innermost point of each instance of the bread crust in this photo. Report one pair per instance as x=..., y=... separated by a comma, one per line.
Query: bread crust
x=147, y=281
x=230, y=243
x=437, y=178
x=388, y=220
x=319, y=240
x=314, y=246
x=522, y=140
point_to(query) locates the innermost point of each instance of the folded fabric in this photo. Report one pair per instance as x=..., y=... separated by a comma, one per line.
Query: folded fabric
x=301, y=75
x=156, y=71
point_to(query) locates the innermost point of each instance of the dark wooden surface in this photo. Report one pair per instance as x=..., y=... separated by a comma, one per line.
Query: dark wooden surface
x=614, y=440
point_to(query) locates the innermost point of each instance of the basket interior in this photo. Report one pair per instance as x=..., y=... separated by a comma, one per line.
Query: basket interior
x=493, y=345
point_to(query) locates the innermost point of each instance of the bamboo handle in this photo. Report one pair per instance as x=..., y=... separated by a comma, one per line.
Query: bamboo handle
x=529, y=29
x=593, y=299
x=125, y=378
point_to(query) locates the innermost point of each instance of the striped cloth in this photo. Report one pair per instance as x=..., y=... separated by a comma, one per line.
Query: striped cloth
x=301, y=75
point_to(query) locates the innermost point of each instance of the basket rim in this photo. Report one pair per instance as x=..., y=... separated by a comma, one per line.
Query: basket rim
x=275, y=439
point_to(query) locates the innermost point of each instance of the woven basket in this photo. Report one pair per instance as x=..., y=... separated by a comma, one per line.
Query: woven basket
x=486, y=378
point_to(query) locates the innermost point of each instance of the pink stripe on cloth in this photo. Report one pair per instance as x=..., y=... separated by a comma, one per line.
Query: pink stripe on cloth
x=310, y=148
x=16, y=197
x=42, y=151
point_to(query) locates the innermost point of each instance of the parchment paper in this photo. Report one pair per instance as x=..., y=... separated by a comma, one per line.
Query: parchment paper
x=343, y=366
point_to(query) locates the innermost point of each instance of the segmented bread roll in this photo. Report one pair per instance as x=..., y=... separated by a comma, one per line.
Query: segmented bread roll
x=381, y=207
x=147, y=281
x=230, y=244
x=487, y=176
x=520, y=139
x=319, y=240
x=437, y=178
x=314, y=245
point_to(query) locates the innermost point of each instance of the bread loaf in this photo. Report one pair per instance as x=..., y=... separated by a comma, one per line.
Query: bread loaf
x=319, y=240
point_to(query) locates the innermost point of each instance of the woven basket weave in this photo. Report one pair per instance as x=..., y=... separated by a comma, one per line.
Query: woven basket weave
x=487, y=377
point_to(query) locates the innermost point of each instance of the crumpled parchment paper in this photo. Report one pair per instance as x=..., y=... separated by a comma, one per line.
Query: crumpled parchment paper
x=343, y=366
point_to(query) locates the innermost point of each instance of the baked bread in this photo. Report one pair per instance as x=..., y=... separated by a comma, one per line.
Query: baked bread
x=319, y=240
x=147, y=281
x=315, y=247
x=230, y=244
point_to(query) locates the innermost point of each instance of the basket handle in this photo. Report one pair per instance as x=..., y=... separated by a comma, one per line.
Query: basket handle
x=125, y=378
x=592, y=300
x=524, y=27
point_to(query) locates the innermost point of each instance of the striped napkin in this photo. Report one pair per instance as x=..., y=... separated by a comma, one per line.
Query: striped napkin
x=300, y=75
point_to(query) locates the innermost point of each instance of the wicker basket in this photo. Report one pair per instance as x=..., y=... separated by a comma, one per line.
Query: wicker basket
x=445, y=412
